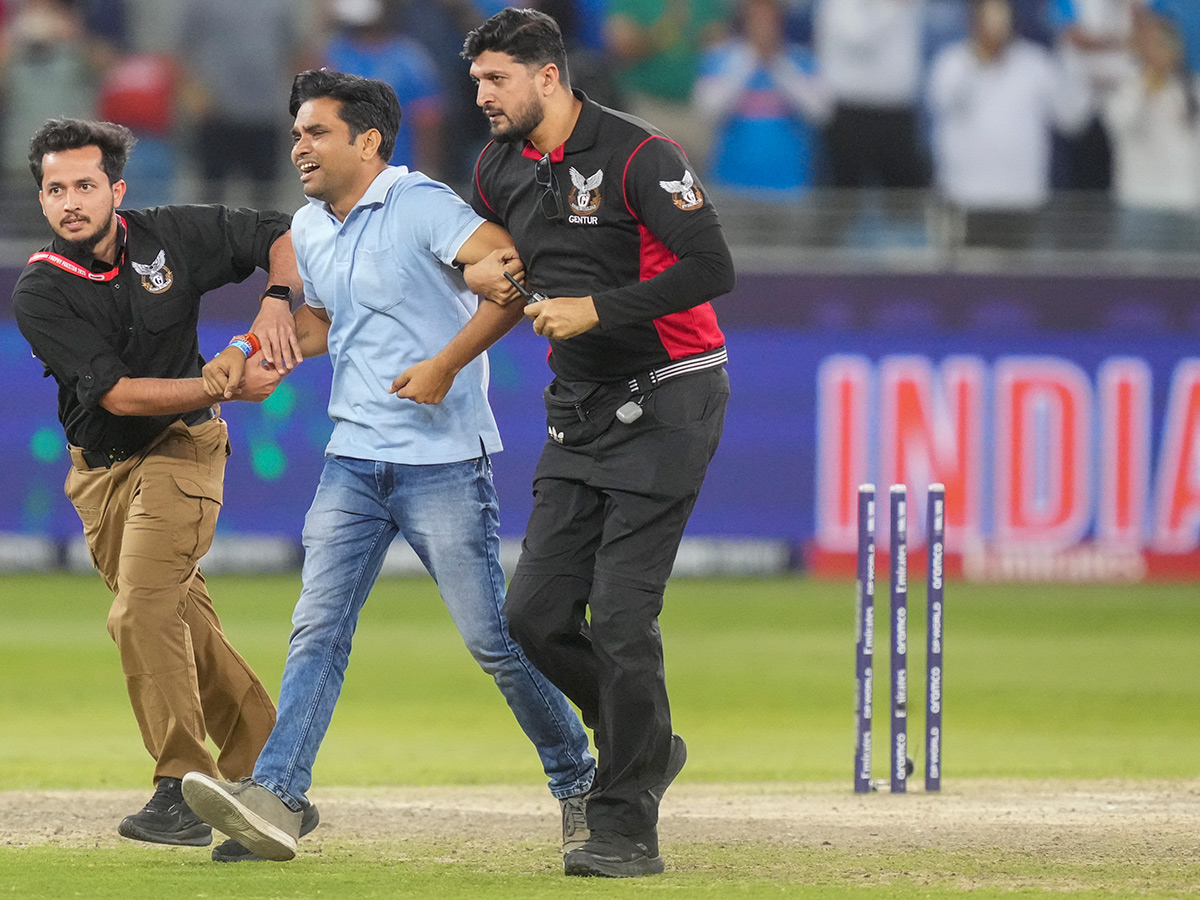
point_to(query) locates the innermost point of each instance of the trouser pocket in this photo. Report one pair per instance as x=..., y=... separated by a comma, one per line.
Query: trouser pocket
x=578, y=412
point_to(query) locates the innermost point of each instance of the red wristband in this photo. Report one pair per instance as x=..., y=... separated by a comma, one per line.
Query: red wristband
x=242, y=341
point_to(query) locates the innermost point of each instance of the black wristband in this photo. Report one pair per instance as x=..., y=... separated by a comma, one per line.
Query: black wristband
x=279, y=292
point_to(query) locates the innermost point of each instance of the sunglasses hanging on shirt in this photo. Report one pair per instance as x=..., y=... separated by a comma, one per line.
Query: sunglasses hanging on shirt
x=550, y=201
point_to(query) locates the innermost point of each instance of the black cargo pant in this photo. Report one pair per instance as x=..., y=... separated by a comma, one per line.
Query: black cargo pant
x=584, y=600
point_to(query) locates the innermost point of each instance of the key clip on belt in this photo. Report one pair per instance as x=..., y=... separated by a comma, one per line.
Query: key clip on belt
x=639, y=384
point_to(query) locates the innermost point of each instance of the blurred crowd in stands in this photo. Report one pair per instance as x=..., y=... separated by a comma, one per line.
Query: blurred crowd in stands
x=990, y=106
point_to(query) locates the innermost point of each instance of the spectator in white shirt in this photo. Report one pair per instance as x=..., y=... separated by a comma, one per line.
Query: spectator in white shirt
x=995, y=100
x=1154, y=118
x=870, y=54
x=1095, y=38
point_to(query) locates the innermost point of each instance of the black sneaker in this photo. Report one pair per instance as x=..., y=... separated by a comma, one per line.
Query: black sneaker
x=608, y=854
x=674, y=765
x=232, y=851
x=166, y=819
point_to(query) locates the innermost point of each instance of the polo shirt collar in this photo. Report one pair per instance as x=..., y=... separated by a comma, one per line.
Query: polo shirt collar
x=376, y=192
x=582, y=137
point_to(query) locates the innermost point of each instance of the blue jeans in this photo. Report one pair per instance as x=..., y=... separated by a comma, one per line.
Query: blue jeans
x=448, y=514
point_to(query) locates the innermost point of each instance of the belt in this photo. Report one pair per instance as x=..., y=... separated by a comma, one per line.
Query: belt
x=646, y=381
x=104, y=459
x=199, y=416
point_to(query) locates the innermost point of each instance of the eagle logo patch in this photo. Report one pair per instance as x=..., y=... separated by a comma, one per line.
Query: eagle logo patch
x=684, y=193
x=585, y=192
x=156, y=277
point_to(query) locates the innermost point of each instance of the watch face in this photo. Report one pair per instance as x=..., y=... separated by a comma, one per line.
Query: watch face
x=283, y=292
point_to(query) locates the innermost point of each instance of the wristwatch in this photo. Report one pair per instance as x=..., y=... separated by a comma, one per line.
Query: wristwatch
x=278, y=291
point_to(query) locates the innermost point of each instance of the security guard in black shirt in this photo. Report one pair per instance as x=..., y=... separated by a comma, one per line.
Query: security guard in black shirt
x=620, y=239
x=111, y=309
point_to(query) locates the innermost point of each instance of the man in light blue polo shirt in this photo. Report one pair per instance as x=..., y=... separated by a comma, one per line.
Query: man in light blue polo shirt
x=376, y=247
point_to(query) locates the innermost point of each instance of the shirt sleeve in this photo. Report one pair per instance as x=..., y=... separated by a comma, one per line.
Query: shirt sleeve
x=479, y=200
x=662, y=191
x=445, y=222
x=74, y=351
x=951, y=84
x=226, y=245
x=300, y=226
x=724, y=75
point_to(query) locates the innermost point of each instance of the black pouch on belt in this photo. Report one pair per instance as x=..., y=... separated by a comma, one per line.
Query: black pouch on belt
x=578, y=412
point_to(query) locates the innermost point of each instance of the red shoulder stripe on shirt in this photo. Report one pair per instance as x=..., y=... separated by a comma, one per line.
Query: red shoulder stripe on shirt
x=478, y=184
x=629, y=162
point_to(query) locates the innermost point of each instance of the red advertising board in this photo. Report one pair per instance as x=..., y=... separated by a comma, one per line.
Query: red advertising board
x=1052, y=471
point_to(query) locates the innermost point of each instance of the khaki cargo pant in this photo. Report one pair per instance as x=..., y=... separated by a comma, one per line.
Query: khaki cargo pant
x=147, y=521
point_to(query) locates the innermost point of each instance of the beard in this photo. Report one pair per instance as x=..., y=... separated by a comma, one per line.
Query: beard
x=88, y=243
x=521, y=123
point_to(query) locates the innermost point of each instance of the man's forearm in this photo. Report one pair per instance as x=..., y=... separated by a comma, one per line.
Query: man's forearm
x=156, y=396
x=490, y=323
x=312, y=331
x=700, y=275
x=282, y=262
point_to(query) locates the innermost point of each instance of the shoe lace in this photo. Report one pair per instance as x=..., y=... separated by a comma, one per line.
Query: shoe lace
x=166, y=794
x=574, y=815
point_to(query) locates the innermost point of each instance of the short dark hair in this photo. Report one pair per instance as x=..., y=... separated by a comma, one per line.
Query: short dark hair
x=115, y=143
x=529, y=36
x=366, y=103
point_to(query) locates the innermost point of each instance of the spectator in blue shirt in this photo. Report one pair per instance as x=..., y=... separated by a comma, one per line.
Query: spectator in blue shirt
x=366, y=44
x=766, y=104
x=409, y=453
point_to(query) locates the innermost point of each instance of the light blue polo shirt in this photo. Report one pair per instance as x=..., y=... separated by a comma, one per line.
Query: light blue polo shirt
x=385, y=278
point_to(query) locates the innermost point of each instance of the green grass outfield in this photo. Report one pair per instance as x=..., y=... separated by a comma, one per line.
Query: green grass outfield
x=1059, y=682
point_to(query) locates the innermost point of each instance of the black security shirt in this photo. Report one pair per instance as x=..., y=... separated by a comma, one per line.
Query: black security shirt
x=142, y=323
x=637, y=233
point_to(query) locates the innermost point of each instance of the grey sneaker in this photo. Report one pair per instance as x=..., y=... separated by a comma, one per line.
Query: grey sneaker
x=232, y=851
x=247, y=812
x=575, y=826
x=611, y=855
x=674, y=765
